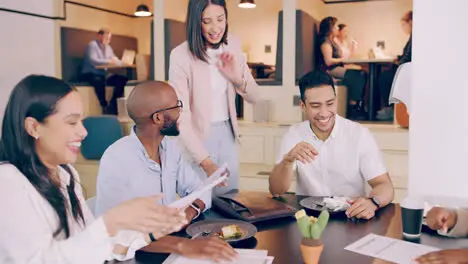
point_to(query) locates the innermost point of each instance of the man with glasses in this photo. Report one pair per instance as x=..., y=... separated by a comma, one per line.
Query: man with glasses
x=148, y=163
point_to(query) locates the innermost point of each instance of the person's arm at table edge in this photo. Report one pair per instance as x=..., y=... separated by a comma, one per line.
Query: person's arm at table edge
x=327, y=52
x=187, y=182
x=192, y=213
x=283, y=172
x=373, y=168
x=281, y=177
x=460, y=228
x=167, y=244
x=115, y=59
x=382, y=188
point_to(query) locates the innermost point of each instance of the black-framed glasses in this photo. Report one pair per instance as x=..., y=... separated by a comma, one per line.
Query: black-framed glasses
x=179, y=104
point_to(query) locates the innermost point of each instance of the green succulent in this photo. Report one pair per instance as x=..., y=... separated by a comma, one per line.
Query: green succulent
x=312, y=227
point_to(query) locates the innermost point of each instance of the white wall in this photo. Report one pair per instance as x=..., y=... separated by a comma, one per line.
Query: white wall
x=256, y=28
x=136, y=27
x=28, y=44
x=315, y=8
x=280, y=98
x=439, y=118
x=369, y=22
x=121, y=25
x=175, y=9
x=43, y=7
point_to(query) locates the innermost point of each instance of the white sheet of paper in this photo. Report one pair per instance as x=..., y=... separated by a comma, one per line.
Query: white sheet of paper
x=216, y=178
x=389, y=249
x=246, y=256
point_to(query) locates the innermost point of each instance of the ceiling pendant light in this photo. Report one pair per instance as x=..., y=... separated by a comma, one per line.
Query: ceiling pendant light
x=247, y=4
x=142, y=11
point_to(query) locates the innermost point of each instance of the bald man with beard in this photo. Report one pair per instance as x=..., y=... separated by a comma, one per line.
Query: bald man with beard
x=148, y=163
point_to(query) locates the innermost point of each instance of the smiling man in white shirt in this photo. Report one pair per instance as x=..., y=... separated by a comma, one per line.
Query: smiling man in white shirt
x=331, y=155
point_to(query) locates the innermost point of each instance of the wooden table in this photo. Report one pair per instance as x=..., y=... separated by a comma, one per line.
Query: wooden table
x=114, y=67
x=372, y=78
x=282, y=237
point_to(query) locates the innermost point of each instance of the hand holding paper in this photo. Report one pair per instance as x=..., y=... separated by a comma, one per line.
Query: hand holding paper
x=219, y=176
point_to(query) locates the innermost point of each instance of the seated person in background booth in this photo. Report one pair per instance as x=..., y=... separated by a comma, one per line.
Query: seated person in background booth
x=386, y=77
x=149, y=163
x=45, y=218
x=449, y=222
x=331, y=60
x=330, y=155
x=347, y=46
x=99, y=52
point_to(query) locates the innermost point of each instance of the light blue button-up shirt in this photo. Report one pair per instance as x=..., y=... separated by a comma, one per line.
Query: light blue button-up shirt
x=127, y=172
x=95, y=56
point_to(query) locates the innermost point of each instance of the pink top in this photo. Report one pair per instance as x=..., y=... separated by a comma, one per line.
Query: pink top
x=191, y=79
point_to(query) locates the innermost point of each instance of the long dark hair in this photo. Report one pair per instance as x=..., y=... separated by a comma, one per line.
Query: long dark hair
x=195, y=39
x=326, y=26
x=37, y=97
x=341, y=26
x=408, y=17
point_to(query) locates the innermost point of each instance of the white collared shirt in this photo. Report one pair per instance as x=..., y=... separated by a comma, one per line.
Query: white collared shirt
x=28, y=222
x=219, y=86
x=346, y=161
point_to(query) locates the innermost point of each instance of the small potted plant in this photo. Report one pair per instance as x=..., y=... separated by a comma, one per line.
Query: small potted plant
x=311, y=229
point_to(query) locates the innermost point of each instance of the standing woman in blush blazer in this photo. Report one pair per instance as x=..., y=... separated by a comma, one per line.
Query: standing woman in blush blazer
x=207, y=71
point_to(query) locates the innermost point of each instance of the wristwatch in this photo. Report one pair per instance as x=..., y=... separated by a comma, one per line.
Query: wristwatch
x=375, y=201
x=197, y=209
x=152, y=238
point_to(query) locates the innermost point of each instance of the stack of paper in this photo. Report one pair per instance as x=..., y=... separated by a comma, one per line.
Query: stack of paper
x=246, y=256
x=389, y=249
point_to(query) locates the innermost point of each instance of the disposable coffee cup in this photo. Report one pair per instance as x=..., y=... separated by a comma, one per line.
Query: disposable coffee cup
x=412, y=211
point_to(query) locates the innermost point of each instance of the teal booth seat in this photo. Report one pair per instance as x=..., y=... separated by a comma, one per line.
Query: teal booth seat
x=103, y=131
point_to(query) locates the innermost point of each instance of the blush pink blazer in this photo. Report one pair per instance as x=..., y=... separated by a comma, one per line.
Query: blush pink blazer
x=191, y=79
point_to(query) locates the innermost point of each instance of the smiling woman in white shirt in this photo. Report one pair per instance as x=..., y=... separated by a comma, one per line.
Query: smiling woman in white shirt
x=44, y=216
